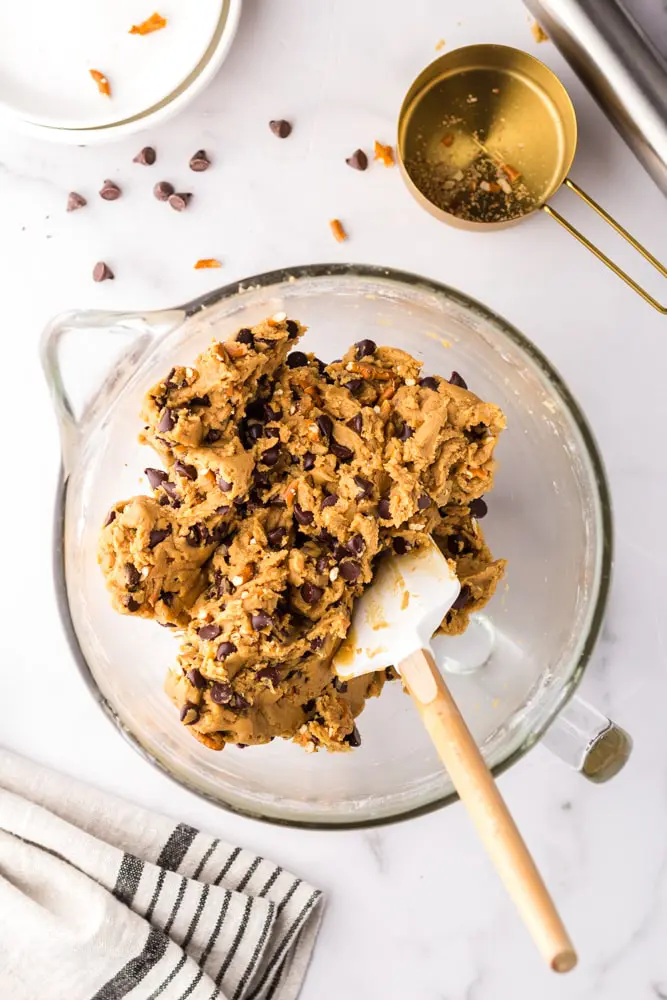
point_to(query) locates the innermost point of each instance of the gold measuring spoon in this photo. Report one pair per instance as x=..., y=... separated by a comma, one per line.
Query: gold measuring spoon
x=486, y=136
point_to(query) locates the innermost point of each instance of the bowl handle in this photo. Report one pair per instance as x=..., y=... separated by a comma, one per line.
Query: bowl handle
x=588, y=741
x=88, y=357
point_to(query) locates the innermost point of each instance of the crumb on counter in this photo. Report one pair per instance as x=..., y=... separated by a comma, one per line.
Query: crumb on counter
x=337, y=229
x=153, y=23
x=102, y=82
x=383, y=153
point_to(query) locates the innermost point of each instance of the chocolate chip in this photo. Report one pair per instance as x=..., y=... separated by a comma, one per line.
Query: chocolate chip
x=224, y=650
x=158, y=535
x=209, y=632
x=224, y=485
x=341, y=451
x=102, y=272
x=195, y=537
x=456, y=379
x=275, y=537
x=270, y=414
x=221, y=693
x=456, y=544
x=270, y=457
x=365, y=488
x=155, y=477
x=405, y=432
x=167, y=421
x=325, y=425
x=280, y=127
x=271, y=674
x=310, y=593
x=199, y=161
x=170, y=488
x=146, y=156
x=308, y=461
x=358, y=160
x=297, y=359
x=189, y=714
x=260, y=620
x=132, y=576
x=302, y=516
x=353, y=739
x=187, y=471
x=339, y=685
x=350, y=570
x=163, y=501
x=356, y=545
x=238, y=701
x=110, y=191
x=316, y=643
x=255, y=431
x=292, y=329
x=356, y=424
x=329, y=501
x=132, y=605
x=424, y=501
x=179, y=202
x=260, y=479
x=167, y=597
x=196, y=679
x=429, y=383
x=111, y=516
x=309, y=705
x=383, y=509
x=364, y=348
x=272, y=432
x=198, y=401
x=478, y=508
x=464, y=598
x=322, y=564
x=400, y=545
x=354, y=386
x=163, y=190
x=75, y=201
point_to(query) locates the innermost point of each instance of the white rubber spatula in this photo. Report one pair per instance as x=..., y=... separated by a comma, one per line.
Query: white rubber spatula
x=392, y=625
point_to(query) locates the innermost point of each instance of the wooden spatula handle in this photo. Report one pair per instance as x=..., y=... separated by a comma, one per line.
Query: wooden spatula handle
x=486, y=807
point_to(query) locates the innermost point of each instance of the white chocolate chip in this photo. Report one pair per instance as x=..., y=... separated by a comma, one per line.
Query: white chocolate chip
x=410, y=382
x=189, y=372
x=376, y=409
x=303, y=728
x=145, y=572
x=253, y=541
x=333, y=574
x=203, y=613
x=309, y=747
x=244, y=594
x=413, y=526
x=292, y=411
x=237, y=580
x=278, y=392
x=279, y=317
x=349, y=367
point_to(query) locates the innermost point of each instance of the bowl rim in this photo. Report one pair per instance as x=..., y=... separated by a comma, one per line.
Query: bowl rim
x=292, y=275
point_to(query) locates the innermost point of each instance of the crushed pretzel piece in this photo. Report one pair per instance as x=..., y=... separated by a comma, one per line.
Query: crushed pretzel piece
x=440, y=44
x=337, y=229
x=510, y=172
x=539, y=34
x=153, y=23
x=205, y=262
x=383, y=153
x=103, y=84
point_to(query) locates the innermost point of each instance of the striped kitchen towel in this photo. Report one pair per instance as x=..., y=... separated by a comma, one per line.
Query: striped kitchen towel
x=102, y=900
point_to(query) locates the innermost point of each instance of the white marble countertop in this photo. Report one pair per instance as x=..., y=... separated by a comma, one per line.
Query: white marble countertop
x=414, y=909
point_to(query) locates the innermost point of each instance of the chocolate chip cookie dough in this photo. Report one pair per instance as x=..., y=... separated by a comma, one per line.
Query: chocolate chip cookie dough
x=284, y=479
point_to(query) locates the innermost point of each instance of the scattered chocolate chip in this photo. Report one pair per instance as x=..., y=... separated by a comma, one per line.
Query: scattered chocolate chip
x=280, y=127
x=311, y=593
x=326, y=538
x=199, y=161
x=339, y=685
x=322, y=564
x=478, y=508
x=270, y=457
x=238, y=701
x=356, y=424
x=155, y=477
x=353, y=739
x=209, y=632
x=350, y=570
x=110, y=191
x=179, y=202
x=275, y=537
x=429, y=383
x=189, y=714
x=464, y=598
x=292, y=329
x=167, y=421
x=163, y=501
x=308, y=461
x=224, y=650
x=224, y=485
x=132, y=576
x=255, y=431
x=424, y=501
x=316, y=643
x=364, y=348
x=405, y=432
x=341, y=451
x=400, y=545
x=309, y=705
x=358, y=160
x=167, y=597
x=146, y=156
x=456, y=544
x=163, y=190
x=75, y=201
x=356, y=545
x=221, y=693
x=187, y=471
x=456, y=379
x=260, y=620
x=196, y=678
x=158, y=535
x=198, y=401
x=195, y=537
x=170, y=488
x=325, y=425
x=132, y=605
x=354, y=386
x=365, y=488
x=244, y=336
x=111, y=516
x=102, y=272
x=479, y=431
x=383, y=509
x=302, y=516
x=271, y=674
x=329, y=501
x=297, y=359
x=272, y=432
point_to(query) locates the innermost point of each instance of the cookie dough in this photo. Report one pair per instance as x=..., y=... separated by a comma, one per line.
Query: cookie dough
x=284, y=479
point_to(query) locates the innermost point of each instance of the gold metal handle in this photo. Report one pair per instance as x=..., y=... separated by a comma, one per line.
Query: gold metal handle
x=618, y=271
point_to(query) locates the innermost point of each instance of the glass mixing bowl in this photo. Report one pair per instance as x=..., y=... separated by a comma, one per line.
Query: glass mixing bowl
x=549, y=516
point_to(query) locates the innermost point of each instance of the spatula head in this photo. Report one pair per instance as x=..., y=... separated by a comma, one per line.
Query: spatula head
x=399, y=612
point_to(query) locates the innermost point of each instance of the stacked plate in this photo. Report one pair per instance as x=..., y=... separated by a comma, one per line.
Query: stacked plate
x=75, y=71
